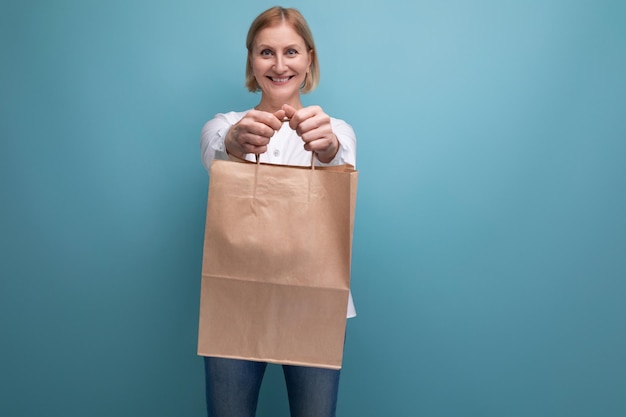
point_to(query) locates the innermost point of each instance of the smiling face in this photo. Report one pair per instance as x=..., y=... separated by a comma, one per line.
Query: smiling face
x=280, y=60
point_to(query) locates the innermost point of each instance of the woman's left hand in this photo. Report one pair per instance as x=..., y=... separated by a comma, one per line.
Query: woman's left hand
x=313, y=126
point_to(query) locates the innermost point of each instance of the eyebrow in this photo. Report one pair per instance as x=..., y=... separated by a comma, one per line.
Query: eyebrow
x=291, y=46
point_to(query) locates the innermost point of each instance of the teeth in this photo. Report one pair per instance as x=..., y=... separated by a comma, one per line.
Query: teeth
x=280, y=80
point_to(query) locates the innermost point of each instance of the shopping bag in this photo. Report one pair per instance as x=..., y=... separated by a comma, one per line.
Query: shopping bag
x=276, y=263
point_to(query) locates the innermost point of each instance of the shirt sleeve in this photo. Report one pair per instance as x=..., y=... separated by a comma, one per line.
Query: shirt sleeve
x=347, y=144
x=212, y=139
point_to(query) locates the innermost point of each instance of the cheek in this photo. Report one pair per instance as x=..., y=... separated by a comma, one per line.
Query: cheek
x=255, y=67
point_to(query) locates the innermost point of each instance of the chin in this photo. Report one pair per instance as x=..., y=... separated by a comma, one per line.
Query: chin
x=277, y=94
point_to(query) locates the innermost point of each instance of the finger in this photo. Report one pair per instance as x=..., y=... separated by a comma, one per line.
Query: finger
x=249, y=148
x=254, y=144
x=268, y=119
x=289, y=110
x=261, y=123
x=293, y=116
x=273, y=121
x=258, y=129
x=306, y=113
x=327, y=146
x=281, y=115
x=315, y=128
x=317, y=145
x=310, y=118
x=255, y=140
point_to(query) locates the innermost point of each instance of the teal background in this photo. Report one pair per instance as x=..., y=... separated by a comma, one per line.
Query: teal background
x=490, y=245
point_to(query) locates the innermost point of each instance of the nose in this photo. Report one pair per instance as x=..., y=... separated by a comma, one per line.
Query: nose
x=279, y=64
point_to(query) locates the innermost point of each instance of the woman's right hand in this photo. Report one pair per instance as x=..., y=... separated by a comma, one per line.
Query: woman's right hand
x=253, y=132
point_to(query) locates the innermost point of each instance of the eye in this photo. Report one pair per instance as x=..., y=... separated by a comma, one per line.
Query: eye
x=266, y=52
x=292, y=52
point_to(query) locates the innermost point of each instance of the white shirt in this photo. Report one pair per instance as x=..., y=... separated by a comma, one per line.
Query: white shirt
x=285, y=147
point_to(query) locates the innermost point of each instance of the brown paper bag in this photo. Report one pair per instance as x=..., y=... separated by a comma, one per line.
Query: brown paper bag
x=276, y=263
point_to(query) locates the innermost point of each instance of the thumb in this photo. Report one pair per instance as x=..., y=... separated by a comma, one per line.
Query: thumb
x=289, y=111
x=280, y=114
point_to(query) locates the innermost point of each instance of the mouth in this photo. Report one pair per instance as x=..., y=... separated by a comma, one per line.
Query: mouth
x=280, y=80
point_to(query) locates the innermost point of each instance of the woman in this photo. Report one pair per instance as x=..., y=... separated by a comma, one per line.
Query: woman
x=282, y=63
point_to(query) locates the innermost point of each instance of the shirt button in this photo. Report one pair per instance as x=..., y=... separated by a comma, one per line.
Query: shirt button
x=276, y=152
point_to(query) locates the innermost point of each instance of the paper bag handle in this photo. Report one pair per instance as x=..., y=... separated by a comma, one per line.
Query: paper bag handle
x=258, y=160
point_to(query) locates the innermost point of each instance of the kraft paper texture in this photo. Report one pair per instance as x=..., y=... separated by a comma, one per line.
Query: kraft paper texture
x=276, y=263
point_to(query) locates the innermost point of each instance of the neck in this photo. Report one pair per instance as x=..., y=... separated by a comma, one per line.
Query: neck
x=273, y=106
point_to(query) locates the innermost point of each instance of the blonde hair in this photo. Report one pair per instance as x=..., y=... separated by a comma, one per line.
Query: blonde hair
x=273, y=17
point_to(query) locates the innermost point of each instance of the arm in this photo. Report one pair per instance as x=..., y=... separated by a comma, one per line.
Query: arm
x=212, y=138
x=346, y=154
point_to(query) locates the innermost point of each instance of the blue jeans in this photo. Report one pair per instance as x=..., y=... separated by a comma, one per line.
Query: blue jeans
x=233, y=385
